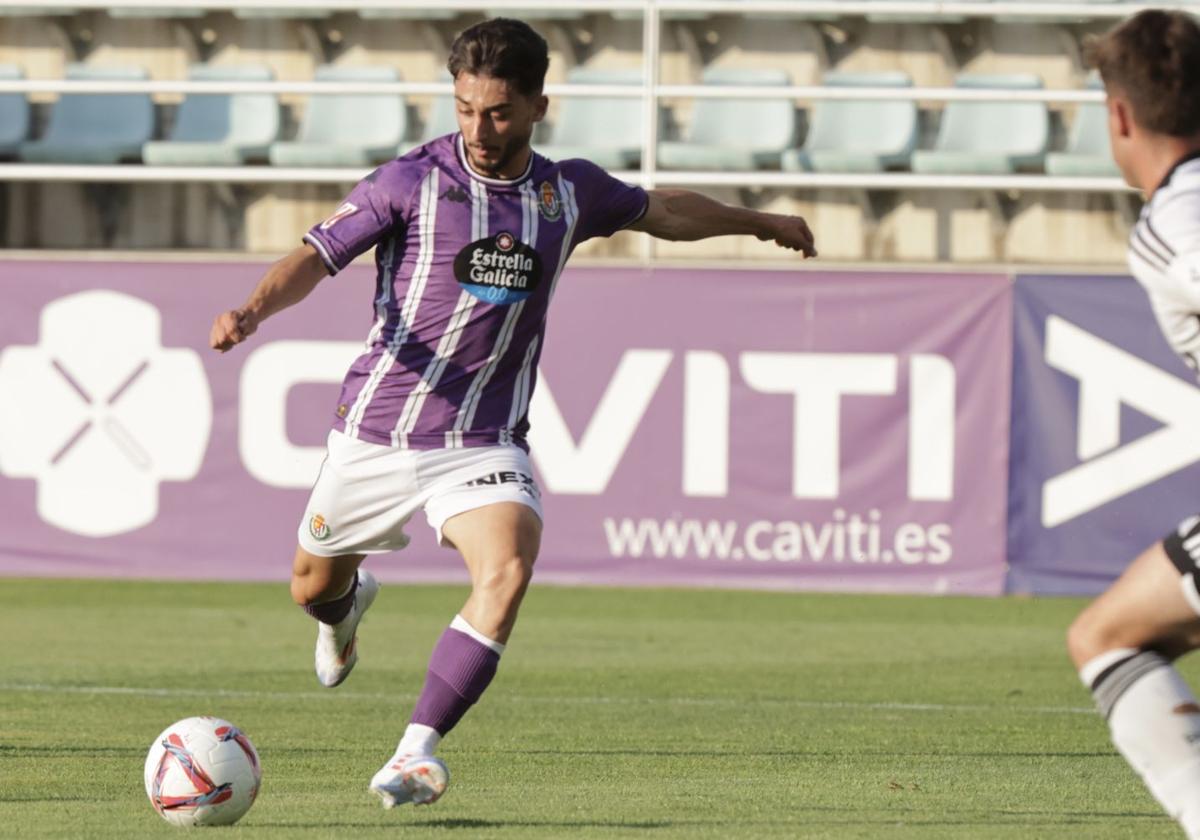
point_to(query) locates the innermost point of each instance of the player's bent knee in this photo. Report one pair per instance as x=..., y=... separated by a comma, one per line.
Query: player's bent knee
x=507, y=580
x=1086, y=639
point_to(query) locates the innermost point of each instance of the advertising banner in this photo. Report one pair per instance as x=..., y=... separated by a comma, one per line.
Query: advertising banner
x=1104, y=433
x=796, y=430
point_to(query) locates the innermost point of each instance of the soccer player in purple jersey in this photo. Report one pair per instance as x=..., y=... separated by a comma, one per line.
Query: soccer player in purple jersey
x=471, y=232
x=1125, y=642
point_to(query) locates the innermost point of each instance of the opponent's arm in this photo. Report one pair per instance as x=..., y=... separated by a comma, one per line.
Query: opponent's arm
x=288, y=281
x=682, y=215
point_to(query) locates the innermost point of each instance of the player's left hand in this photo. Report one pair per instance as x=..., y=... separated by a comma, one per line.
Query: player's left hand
x=790, y=232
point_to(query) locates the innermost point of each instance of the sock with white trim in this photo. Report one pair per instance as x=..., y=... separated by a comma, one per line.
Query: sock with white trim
x=463, y=663
x=1154, y=720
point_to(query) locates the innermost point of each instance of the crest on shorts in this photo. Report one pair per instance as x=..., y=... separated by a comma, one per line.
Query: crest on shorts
x=318, y=527
x=549, y=204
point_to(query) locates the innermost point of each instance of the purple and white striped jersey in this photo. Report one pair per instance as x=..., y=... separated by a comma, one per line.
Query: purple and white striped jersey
x=466, y=267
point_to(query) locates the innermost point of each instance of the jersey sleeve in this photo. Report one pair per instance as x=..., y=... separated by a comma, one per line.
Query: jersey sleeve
x=606, y=204
x=1166, y=261
x=376, y=206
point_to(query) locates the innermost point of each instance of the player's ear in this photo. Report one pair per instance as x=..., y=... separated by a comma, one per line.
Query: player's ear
x=540, y=104
x=1120, y=116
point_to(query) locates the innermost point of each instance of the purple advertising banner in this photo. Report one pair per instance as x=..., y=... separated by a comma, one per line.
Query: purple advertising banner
x=1104, y=444
x=798, y=430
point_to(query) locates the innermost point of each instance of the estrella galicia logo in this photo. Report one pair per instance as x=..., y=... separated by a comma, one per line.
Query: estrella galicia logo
x=499, y=269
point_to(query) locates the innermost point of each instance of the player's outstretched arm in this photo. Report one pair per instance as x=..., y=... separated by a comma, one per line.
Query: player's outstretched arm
x=682, y=215
x=287, y=281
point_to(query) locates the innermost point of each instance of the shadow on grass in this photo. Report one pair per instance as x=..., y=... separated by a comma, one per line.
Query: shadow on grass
x=841, y=754
x=476, y=825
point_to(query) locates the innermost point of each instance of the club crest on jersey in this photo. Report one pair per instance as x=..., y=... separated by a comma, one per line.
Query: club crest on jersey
x=319, y=528
x=347, y=209
x=499, y=269
x=549, y=204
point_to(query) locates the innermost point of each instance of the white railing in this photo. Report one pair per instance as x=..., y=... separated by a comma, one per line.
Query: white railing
x=799, y=92
x=133, y=174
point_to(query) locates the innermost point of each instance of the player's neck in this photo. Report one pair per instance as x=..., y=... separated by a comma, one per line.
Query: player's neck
x=1160, y=158
x=511, y=171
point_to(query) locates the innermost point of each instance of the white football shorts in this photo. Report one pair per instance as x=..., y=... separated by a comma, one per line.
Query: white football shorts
x=366, y=493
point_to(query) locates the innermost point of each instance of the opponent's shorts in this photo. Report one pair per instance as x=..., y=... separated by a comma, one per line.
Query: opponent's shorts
x=366, y=493
x=1183, y=547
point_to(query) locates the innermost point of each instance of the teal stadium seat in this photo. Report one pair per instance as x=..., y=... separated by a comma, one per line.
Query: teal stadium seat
x=904, y=17
x=737, y=134
x=95, y=127
x=440, y=121
x=407, y=14
x=1088, y=151
x=606, y=131
x=283, y=13
x=14, y=113
x=858, y=135
x=167, y=12
x=989, y=137
x=37, y=11
x=347, y=129
x=222, y=129
x=536, y=14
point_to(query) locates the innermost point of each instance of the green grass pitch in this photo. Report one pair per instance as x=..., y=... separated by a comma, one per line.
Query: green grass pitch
x=616, y=714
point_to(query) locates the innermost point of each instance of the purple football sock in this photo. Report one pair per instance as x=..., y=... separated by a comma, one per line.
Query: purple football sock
x=459, y=671
x=331, y=612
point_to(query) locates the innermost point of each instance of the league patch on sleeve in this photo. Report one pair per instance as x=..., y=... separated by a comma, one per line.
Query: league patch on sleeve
x=499, y=269
x=347, y=209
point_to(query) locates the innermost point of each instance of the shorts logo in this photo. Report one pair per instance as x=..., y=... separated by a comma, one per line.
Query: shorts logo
x=549, y=204
x=342, y=411
x=527, y=485
x=499, y=269
x=342, y=212
x=318, y=527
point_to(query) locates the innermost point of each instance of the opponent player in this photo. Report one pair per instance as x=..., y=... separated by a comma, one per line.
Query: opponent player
x=471, y=232
x=1123, y=644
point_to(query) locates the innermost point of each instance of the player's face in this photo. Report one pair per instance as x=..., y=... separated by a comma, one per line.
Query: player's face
x=496, y=121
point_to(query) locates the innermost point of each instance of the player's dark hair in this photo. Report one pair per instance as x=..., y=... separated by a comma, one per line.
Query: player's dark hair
x=505, y=49
x=1153, y=59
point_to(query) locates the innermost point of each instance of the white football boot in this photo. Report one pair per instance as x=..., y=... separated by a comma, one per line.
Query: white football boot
x=419, y=779
x=337, y=644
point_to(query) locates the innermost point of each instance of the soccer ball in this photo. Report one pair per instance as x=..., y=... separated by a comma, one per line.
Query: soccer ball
x=202, y=771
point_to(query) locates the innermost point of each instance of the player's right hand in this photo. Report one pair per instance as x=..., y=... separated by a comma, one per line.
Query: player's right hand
x=231, y=328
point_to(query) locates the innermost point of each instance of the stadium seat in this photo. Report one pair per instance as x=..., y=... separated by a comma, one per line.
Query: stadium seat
x=220, y=129
x=536, y=14
x=439, y=121
x=14, y=113
x=858, y=135
x=606, y=131
x=1088, y=151
x=95, y=127
x=284, y=13
x=735, y=133
x=989, y=137
x=904, y=17
x=37, y=11
x=156, y=11
x=347, y=129
x=407, y=14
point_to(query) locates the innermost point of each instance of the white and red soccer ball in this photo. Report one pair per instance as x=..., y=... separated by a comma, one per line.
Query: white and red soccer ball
x=202, y=771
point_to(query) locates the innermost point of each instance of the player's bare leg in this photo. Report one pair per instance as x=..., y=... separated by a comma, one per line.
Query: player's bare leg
x=1123, y=645
x=499, y=543
x=334, y=592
